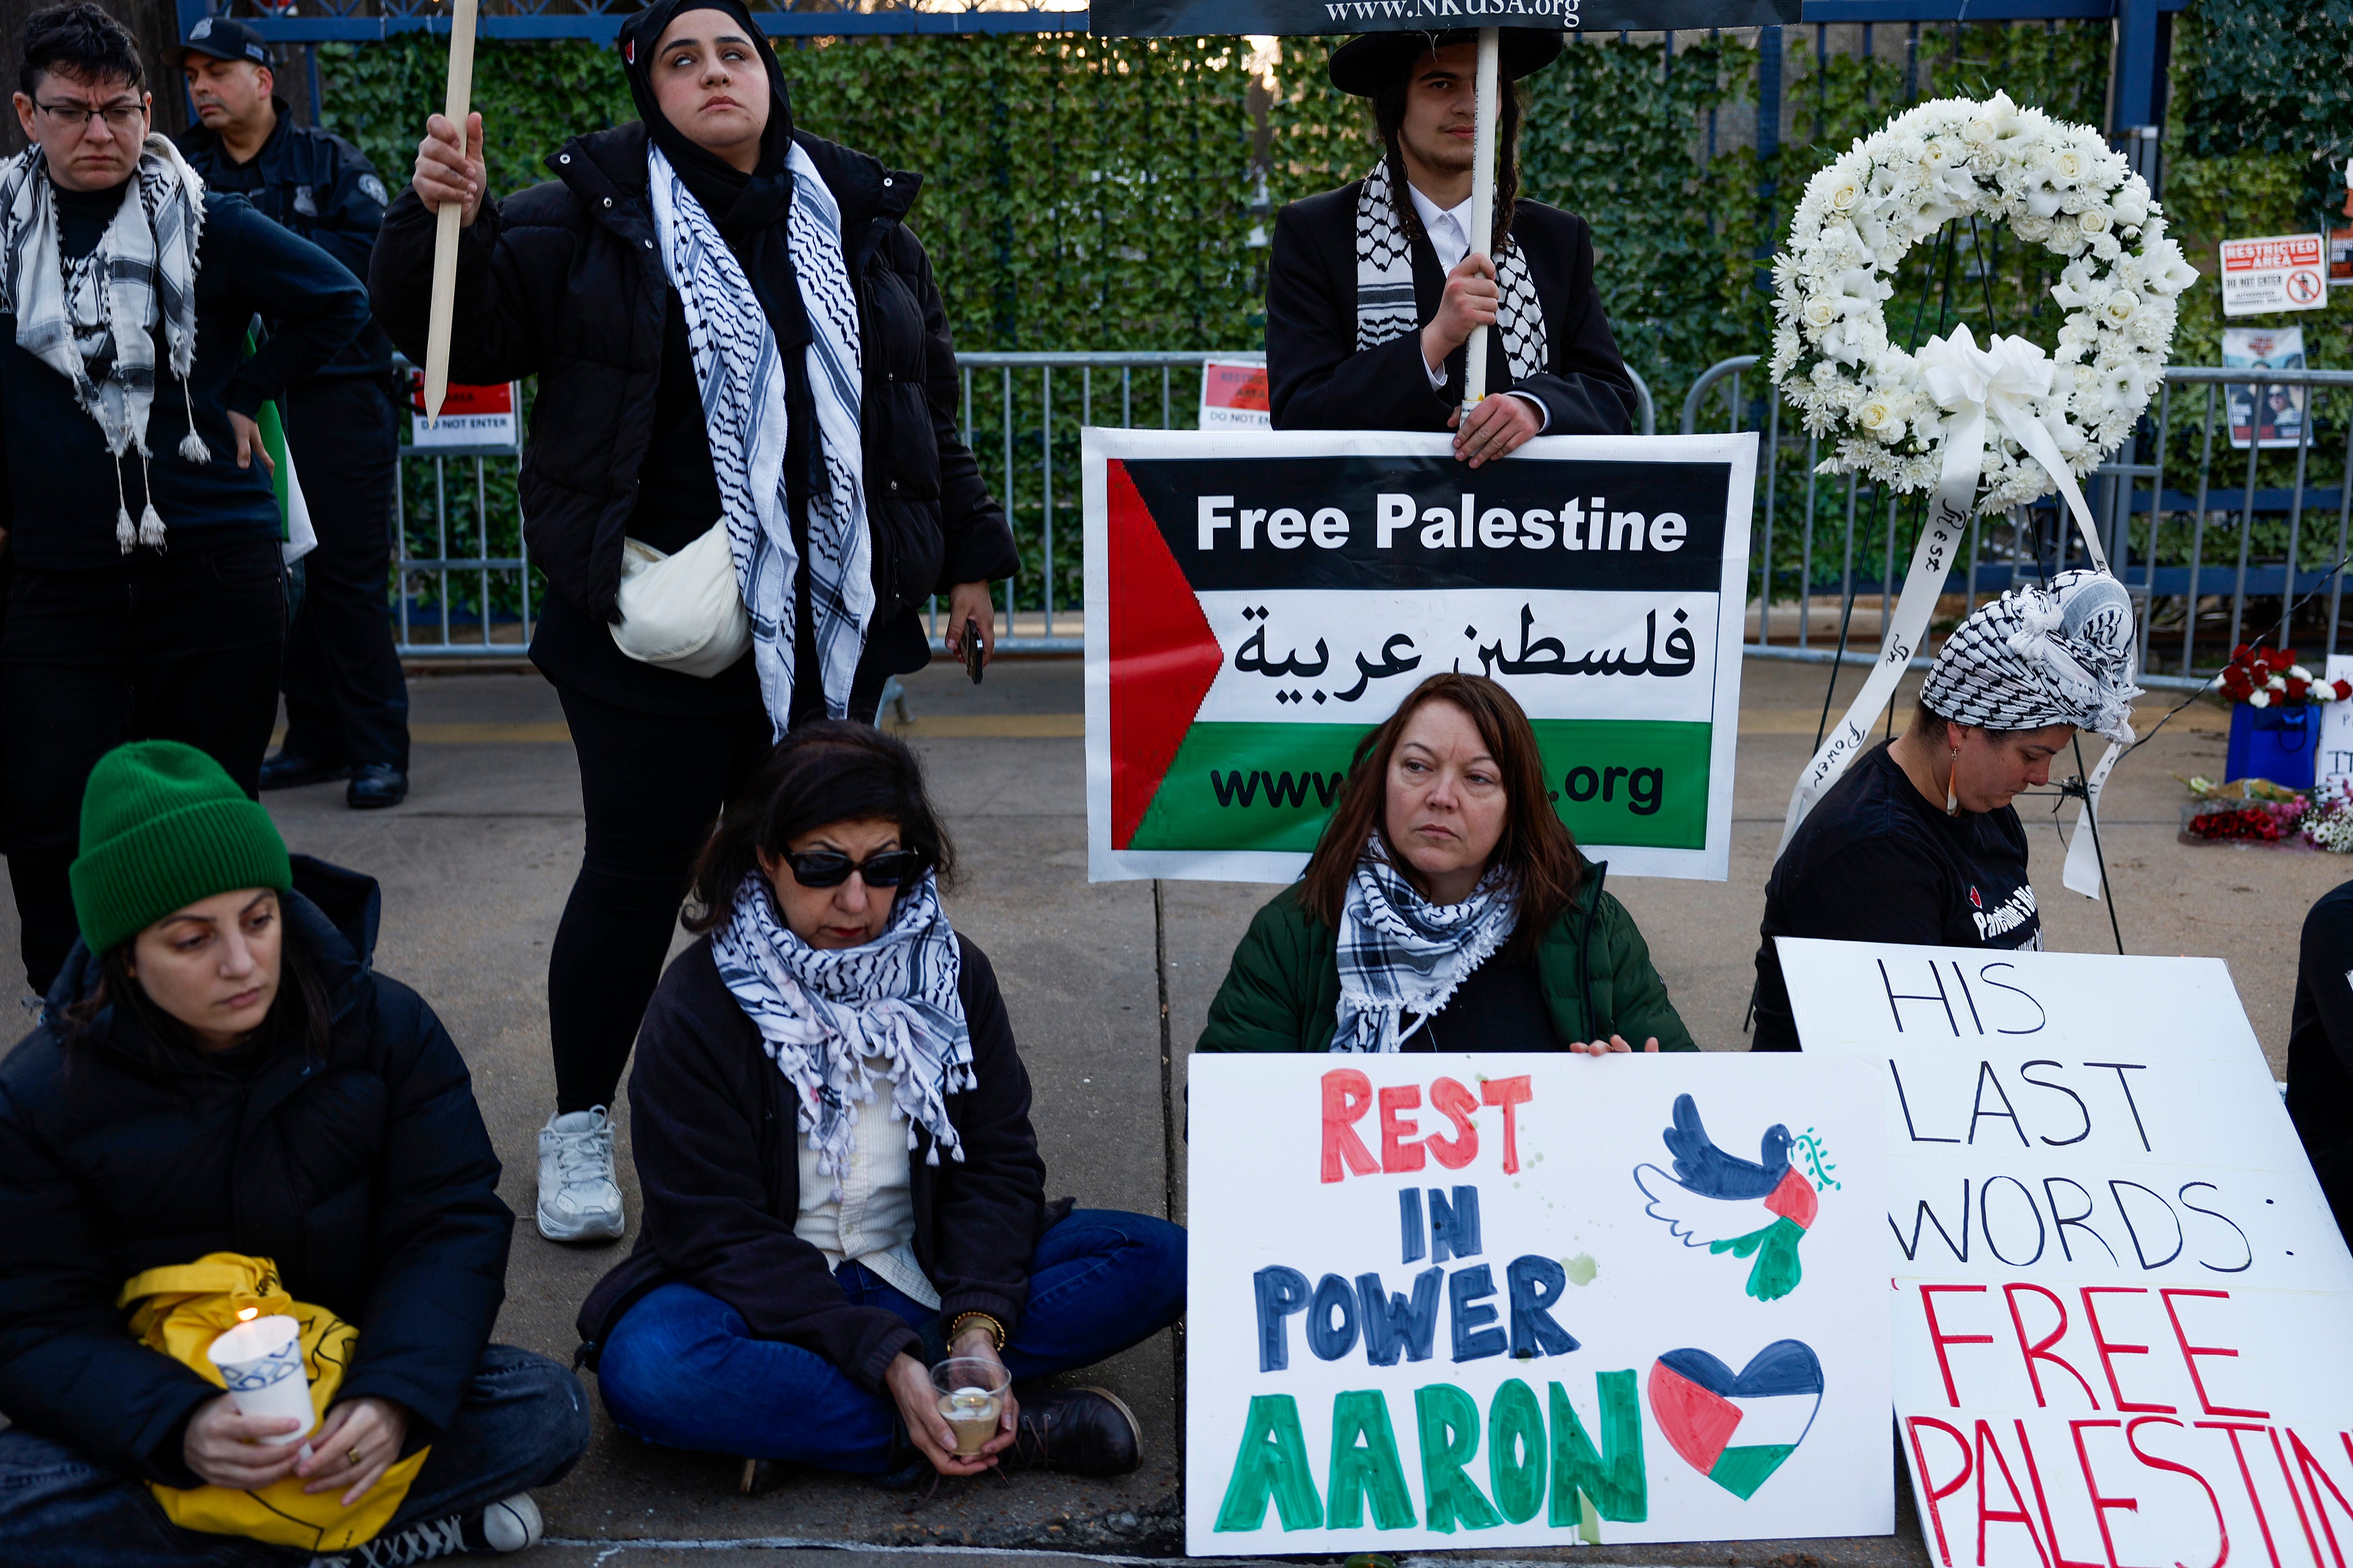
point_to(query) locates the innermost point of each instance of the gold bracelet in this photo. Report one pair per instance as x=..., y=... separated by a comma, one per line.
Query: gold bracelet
x=996, y=1329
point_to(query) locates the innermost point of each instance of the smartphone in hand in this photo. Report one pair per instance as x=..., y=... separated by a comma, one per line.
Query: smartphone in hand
x=972, y=649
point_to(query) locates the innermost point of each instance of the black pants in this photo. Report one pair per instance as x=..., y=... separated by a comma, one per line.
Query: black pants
x=178, y=645
x=346, y=701
x=652, y=785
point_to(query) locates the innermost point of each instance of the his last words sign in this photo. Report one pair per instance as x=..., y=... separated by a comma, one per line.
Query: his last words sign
x=1496, y=1300
x=2121, y=1307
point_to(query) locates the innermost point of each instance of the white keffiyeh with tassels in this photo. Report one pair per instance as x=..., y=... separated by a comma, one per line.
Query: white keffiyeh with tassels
x=2038, y=656
x=741, y=375
x=1385, y=304
x=1401, y=953
x=93, y=321
x=834, y=1020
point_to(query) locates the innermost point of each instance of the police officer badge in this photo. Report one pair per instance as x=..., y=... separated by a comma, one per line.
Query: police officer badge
x=373, y=188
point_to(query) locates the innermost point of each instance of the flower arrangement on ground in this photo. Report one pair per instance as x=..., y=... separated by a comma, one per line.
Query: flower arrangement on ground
x=1888, y=411
x=2270, y=678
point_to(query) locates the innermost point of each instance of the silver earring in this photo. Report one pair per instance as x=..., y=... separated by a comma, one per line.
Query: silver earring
x=1952, y=800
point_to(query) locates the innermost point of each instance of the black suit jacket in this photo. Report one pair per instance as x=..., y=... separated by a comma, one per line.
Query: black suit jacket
x=1316, y=379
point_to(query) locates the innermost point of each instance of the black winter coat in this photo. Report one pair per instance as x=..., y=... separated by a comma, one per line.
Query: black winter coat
x=564, y=281
x=367, y=1176
x=716, y=1132
x=1317, y=379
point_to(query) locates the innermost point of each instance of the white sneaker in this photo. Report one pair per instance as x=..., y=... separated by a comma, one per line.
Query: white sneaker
x=512, y=1525
x=578, y=1198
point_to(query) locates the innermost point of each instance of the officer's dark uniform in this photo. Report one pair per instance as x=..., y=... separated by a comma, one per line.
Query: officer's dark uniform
x=346, y=703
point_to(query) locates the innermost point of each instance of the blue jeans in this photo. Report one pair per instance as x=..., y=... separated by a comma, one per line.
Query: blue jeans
x=680, y=1368
x=524, y=1423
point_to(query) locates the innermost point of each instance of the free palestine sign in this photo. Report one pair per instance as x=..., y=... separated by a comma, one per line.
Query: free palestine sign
x=1256, y=602
x=2120, y=1298
x=1189, y=18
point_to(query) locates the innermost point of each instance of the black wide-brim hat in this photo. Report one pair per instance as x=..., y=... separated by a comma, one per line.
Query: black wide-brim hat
x=1369, y=61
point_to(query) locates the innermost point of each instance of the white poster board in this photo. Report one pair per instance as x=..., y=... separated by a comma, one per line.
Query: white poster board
x=1233, y=396
x=2335, y=764
x=2121, y=1308
x=2276, y=272
x=1515, y=1300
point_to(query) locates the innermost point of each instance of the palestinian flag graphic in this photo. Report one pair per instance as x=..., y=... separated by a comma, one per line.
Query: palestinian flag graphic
x=1257, y=603
x=1735, y=1428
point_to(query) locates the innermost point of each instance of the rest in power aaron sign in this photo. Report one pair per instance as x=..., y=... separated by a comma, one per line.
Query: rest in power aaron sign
x=1256, y=602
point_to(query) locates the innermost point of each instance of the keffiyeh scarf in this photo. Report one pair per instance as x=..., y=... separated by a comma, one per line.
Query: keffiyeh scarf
x=93, y=320
x=741, y=374
x=2037, y=656
x=1402, y=953
x=1385, y=306
x=835, y=1020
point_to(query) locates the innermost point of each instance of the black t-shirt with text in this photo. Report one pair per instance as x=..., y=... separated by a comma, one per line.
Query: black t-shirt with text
x=1877, y=861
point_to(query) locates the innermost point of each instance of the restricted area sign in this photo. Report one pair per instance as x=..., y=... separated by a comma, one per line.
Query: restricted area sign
x=1233, y=396
x=471, y=416
x=2279, y=272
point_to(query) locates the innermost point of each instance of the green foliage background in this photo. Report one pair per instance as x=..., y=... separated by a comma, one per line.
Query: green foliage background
x=1085, y=193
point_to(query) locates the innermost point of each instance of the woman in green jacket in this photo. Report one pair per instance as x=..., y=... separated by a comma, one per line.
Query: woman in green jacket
x=1445, y=909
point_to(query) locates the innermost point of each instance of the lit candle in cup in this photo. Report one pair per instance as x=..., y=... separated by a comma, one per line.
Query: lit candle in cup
x=972, y=1399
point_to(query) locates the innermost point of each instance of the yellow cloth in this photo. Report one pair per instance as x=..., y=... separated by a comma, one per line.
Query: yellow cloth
x=182, y=1310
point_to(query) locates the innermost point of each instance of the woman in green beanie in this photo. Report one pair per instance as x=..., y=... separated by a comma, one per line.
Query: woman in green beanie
x=219, y=1069
x=1445, y=909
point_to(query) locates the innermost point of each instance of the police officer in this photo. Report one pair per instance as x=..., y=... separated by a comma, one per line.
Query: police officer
x=346, y=703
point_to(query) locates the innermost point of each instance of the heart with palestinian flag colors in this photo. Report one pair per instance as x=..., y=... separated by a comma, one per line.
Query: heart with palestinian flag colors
x=1736, y=1428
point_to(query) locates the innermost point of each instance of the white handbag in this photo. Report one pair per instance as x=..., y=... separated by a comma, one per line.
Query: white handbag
x=683, y=612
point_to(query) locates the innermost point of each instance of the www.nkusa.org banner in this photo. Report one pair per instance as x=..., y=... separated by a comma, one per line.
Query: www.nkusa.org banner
x=1256, y=602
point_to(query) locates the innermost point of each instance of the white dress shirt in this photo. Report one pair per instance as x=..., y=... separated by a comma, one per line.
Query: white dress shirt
x=874, y=1222
x=1449, y=229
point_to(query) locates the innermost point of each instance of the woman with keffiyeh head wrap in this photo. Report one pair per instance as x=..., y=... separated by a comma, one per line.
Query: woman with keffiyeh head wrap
x=831, y=1129
x=747, y=380
x=1919, y=843
x=1445, y=909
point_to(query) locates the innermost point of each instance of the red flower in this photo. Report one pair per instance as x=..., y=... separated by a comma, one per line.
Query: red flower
x=2236, y=684
x=2240, y=652
x=2343, y=691
x=2296, y=689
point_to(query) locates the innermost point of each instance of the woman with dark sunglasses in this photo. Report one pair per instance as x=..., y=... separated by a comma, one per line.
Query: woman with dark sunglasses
x=841, y=1188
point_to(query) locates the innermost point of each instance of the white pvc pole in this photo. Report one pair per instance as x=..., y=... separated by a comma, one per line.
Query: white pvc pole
x=445, y=238
x=1482, y=204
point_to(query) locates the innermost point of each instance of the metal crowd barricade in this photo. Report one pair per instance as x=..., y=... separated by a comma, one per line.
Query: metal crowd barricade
x=2215, y=549
x=463, y=584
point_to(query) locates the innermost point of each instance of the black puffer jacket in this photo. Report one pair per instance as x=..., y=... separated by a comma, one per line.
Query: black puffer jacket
x=368, y=1178
x=564, y=281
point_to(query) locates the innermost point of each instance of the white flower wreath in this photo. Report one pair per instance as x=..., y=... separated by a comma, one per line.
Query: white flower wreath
x=1890, y=411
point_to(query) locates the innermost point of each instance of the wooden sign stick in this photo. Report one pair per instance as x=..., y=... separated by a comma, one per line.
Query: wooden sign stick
x=451, y=215
x=1482, y=204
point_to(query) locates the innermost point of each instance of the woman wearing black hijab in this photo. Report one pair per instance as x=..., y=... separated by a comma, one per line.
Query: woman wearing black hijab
x=743, y=367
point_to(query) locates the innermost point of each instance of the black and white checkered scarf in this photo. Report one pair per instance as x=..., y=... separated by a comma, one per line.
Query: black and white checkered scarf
x=741, y=375
x=1385, y=306
x=93, y=320
x=1402, y=953
x=2037, y=656
x=834, y=1020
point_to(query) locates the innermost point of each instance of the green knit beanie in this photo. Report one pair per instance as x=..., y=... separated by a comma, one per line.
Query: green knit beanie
x=162, y=827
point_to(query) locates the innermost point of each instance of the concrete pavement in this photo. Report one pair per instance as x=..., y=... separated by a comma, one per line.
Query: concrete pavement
x=477, y=865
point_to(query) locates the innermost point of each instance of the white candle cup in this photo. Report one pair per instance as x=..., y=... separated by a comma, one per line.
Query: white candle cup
x=972, y=1398
x=261, y=1360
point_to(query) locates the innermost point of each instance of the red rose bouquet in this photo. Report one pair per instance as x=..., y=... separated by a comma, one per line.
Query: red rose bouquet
x=2270, y=678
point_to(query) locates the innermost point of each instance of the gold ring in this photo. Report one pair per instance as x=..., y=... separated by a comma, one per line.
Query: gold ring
x=353, y=1454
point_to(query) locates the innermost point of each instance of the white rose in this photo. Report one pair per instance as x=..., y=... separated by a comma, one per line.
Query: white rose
x=2297, y=672
x=2068, y=165
x=2094, y=220
x=1820, y=312
x=1878, y=415
x=1937, y=153
x=1979, y=132
x=1845, y=194
x=2260, y=699
x=2131, y=202
x=2120, y=306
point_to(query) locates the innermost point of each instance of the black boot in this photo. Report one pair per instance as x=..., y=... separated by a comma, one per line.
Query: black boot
x=1075, y=1432
x=291, y=770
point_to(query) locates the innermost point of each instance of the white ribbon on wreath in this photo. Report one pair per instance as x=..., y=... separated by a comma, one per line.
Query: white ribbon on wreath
x=1983, y=428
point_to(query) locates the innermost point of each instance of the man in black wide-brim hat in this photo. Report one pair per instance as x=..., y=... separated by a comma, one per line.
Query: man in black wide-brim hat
x=1372, y=293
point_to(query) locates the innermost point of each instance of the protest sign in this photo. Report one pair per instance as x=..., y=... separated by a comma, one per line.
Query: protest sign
x=1189, y=18
x=2335, y=764
x=1256, y=602
x=1233, y=396
x=2120, y=1301
x=1510, y=1300
x=2279, y=421
x=2277, y=272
